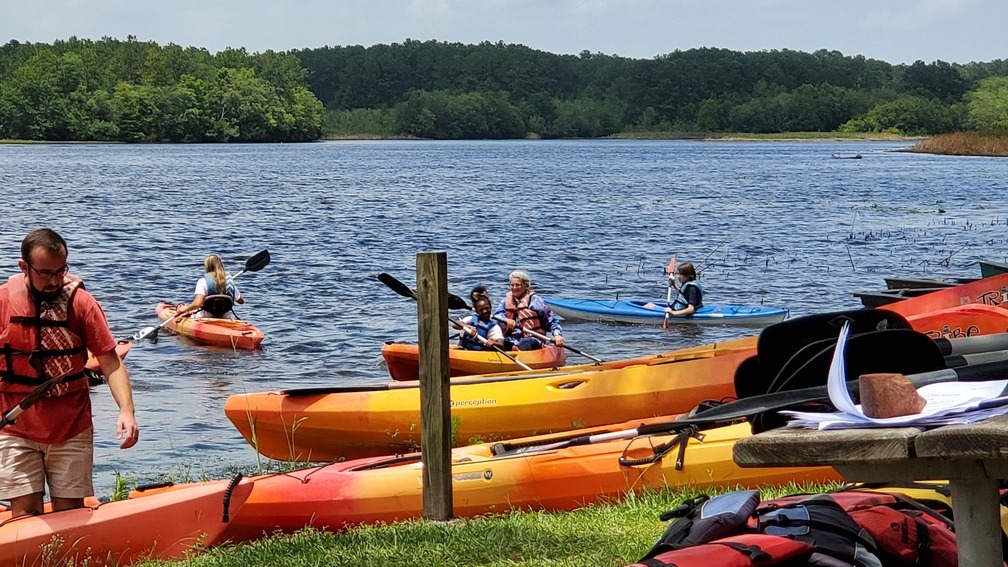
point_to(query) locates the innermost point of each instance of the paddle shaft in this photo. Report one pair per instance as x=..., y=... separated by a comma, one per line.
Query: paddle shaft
x=748, y=407
x=973, y=345
x=546, y=339
x=11, y=415
x=668, y=296
x=484, y=341
x=668, y=303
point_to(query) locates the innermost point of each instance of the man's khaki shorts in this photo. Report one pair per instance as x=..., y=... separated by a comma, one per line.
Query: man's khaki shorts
x=26, y=466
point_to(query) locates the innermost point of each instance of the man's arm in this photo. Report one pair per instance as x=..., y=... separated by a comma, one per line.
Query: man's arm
x=119, y=384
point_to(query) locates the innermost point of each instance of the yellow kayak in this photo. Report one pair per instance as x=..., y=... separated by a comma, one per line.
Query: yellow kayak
x=322, y=424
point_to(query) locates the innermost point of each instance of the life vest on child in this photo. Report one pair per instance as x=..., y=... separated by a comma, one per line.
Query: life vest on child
x=217, y=303
x=853, y=528
x=522, y=312
x=39, y=340
x=469, y=342
x=680, y=300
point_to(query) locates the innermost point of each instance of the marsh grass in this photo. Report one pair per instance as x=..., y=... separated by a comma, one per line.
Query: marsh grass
x=610, y=534
x=964, y=144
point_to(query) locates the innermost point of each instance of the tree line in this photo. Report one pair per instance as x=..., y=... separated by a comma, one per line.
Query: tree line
x=494, y=90
x=130, y=91
x=142, y=92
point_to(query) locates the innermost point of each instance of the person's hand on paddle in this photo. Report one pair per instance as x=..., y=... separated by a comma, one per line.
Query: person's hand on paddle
x=510, y=325
x=558, y=340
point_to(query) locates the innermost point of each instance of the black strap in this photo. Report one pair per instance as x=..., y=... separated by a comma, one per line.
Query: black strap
x=39, y=322
x=33, y=381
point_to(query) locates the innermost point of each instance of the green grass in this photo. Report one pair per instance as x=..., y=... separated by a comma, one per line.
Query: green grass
x=599, y=535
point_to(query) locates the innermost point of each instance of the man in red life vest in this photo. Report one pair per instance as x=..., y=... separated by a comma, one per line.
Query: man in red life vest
x=48, y=322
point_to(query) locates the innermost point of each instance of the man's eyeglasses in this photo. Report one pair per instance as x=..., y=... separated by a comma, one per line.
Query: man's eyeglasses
x=50, y=273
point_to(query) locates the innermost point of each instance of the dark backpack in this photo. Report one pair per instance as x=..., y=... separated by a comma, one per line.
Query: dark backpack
x=852, y=528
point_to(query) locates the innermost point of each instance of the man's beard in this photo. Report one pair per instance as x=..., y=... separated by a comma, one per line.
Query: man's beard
x=43, y=295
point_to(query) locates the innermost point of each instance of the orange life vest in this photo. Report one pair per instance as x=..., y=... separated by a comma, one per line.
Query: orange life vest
x=38, y=340
x=521, y=312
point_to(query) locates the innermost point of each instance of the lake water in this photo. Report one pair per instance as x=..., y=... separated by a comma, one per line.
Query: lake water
x=774, y=223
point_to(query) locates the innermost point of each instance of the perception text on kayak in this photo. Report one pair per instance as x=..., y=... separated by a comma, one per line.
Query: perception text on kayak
x=482, y=402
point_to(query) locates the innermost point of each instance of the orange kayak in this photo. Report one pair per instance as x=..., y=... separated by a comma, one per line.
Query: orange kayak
x=403, y=360
x=324, y=424
x=122, y=349
x=988, y=291
x=163, y=526
x=561, y=476
x=962, y=321
x=232, y=333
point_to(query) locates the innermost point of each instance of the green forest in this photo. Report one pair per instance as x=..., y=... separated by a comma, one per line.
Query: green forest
x=131, y=91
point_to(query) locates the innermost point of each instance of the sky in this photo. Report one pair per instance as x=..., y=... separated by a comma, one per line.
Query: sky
x=895, y=31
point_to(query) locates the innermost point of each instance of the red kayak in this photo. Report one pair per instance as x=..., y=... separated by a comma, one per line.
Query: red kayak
x=962, y=321
x=551, y=472
x=231, y=333
x=988, y=291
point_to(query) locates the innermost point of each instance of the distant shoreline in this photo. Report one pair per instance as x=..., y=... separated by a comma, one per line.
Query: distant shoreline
x=957, y=143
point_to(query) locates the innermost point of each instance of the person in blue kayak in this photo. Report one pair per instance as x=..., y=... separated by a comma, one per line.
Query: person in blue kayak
x=215, y=293
x=483, y=326
x=521, y=311
x=689, y=294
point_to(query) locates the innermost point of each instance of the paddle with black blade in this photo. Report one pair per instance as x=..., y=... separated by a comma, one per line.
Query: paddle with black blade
x=546, y=339
x=454, y=302
x=256, y=262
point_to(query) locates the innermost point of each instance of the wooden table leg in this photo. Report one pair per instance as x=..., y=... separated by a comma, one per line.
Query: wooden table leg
x=977, y=520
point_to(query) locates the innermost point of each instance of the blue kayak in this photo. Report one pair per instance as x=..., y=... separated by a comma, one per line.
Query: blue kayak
x=652, y=312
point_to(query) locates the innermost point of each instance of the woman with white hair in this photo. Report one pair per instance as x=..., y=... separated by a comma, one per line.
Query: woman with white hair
x=522, y=310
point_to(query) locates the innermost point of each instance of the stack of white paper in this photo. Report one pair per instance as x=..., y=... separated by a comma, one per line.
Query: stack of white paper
x=947, y=402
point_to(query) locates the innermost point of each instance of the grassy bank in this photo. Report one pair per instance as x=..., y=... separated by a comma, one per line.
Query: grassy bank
x=964, y=144
x=598, y=535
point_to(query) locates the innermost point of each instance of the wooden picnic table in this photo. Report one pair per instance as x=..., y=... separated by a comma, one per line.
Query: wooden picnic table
x=973, y=458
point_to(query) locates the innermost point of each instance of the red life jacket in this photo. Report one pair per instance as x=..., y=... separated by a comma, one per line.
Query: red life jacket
x=853, y=528
x=39, y=340
x=521, y=312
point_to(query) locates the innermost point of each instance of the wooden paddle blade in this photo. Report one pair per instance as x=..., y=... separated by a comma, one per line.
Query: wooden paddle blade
x=258, y=261
x=396, y=285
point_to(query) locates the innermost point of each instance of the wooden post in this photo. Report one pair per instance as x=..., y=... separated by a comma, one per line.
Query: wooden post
x=435, y=402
